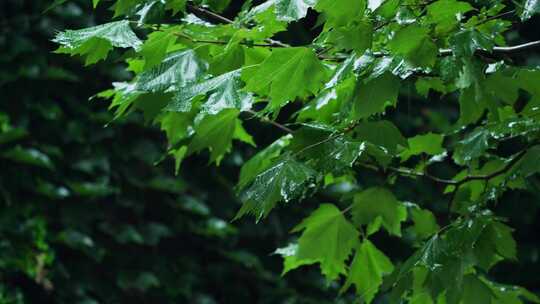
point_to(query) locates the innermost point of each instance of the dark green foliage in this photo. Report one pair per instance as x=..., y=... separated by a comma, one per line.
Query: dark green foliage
x=411, y=154
x=87, y=215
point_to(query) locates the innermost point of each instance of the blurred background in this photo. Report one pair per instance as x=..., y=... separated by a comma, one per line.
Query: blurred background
x=91, y=212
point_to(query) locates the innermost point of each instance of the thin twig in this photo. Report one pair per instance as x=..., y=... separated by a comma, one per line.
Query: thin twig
x=410, y=173
x=209, y=13
x=331, y=137
x=194, y=40
x=448, y=52
x=347, y=209
x=496, y=17
x=500, y=49
x=224, y=19
x=267, y=120
x=494, y=174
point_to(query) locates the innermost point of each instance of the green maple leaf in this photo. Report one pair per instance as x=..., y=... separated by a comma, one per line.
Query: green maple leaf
x=118, y=34
x=327, y=238
x=446, y=13
x=283, y=10
x=341, y=12
x=494, y=245
x=381, y=133
x=291, y=10
x=475, y=291
x=96, y=42
x=290, y=261
x=95, y=50
x=530, y=163
x=413, y=43
x=287, y=74
x=376, y=207
x=466, y=42
x=177, y=70
x=424, y=84
x=286, y=179
x=425, y=223
x=224, y=92
x=176, y=125
x=354, y=36
x=155, y=47
x=367, y=270
x=124, y=7
x=176, y=6
x=322, y=150
x=266, y=19
x=473, y=146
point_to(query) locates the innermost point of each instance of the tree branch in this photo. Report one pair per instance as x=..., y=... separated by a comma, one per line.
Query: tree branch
x=274, y=43
x=501, y=49
x=410, y=173
x=494, y=174
x=456, y=183
x=448, y=52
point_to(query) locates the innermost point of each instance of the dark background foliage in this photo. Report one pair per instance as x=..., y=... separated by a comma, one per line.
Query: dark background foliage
x=92, y=213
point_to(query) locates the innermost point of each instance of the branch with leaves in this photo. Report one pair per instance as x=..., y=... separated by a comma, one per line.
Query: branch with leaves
x=344, y=94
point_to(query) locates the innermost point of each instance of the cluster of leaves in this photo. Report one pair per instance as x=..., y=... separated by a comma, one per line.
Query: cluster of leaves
x=87, y=216
x=197, y=78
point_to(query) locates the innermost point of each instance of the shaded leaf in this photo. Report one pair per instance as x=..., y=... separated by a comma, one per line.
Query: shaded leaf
x=367, y=270
x=381, y=133
x=29, y=156
x=376, y=207
x=374, y=96
x=327, y=226
x=429, y=143
x=216, y=133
